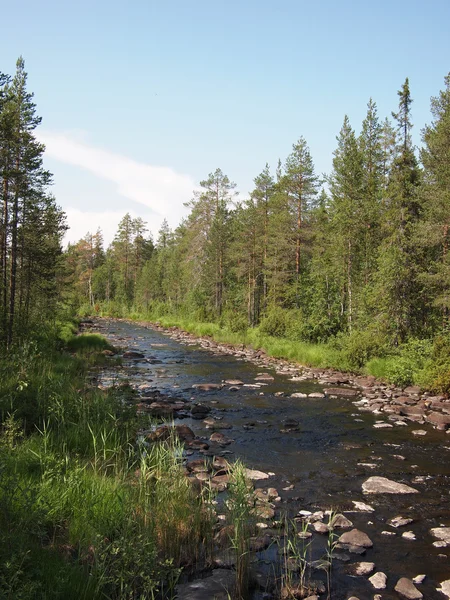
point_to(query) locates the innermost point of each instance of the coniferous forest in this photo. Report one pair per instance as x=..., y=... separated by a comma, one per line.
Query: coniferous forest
x=356, y=259
x=348, y=270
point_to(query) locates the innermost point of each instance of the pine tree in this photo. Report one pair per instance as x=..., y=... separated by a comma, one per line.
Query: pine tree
x=28, y=212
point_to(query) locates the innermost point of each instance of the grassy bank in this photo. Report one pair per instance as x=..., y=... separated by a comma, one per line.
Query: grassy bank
x=87, y=510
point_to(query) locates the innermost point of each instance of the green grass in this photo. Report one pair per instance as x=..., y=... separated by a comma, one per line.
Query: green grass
x=88, y=341
x=85, y=510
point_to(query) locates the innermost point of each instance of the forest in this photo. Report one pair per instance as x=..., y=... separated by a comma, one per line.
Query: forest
x=355, y=261
x=349, y=270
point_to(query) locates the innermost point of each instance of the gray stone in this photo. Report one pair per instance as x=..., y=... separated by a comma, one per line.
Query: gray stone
x=406, y=588
x=445, y=588
x=442, y=534
x=378, y=580
x=382, y=485
x=255, y=475
x=362, y=568
x=355, y=537
x=399, y=521
x=345, y=392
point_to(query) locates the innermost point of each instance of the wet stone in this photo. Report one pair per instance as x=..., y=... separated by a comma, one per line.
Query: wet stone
x=399, y=521
x=406, y=588
x=378, y=580
x=355, y=537
x=344, y=392
x=361, y=569
x=442, y=534
x=382, y=485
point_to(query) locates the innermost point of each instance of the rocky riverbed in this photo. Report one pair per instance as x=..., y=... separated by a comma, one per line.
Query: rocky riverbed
x=326, y=450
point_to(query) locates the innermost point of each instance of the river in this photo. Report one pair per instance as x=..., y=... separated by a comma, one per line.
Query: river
x=321, y=464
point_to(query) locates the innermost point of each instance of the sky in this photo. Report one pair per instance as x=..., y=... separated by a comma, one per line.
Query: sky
x=141, y=100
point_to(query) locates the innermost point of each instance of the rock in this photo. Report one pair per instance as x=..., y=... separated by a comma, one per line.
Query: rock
x=378, y=580
x=198, y=411
x=264, y=377
x=419, y=578
x=219, y=586
x=207, y=387
x=442, y=534
x=351, y=548
x=382, y=485
x=412, y=389
x=445, y=588
x=197, y=445
x=355, y=537
x=233, y=382
x=361, y=506
x=183, y=432
x=399, y=521
x=363, y=568
x=438, y=419
x=419, y=432
x=409, y=535
x=255, y=475
x=316, y=395
x=299, y=395
x=220, y=463
x=198, y=465
x=341, y=522
x=406, y=588
x=320, y=527
x=132, y=354
x=220, y=438
x=345, y=392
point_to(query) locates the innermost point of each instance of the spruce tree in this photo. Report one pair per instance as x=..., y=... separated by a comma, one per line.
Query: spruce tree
x=433, y=231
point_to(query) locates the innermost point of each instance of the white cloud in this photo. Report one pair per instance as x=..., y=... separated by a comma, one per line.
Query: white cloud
x=160, y=189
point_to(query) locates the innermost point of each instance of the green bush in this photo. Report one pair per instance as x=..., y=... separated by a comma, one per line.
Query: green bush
x=88, y=341
x=357, y=348
x=404, y=369
x=275, y=323
x=435, y=375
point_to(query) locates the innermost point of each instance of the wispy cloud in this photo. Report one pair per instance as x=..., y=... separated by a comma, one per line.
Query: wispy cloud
x=160, y=189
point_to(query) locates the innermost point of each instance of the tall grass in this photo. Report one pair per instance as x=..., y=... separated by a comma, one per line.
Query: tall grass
x=85, y=510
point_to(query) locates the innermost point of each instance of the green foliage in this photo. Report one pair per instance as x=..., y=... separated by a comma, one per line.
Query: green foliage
x=403, y=369
x=88, y=341
x=435, y=374
x=358, y=347
x=275, y=323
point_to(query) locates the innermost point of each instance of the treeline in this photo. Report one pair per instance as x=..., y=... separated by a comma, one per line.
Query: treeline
x=362, y=251
x=31, y=224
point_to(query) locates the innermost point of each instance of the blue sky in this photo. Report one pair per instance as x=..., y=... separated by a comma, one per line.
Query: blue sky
x=141, y=100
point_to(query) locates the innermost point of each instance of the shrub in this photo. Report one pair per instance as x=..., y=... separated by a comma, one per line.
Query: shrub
x=404, y=369
x=435, y=375
x=275, y=322
x=357, y=348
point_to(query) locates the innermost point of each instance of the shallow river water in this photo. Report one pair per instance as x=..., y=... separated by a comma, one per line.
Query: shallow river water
x=335, y=449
